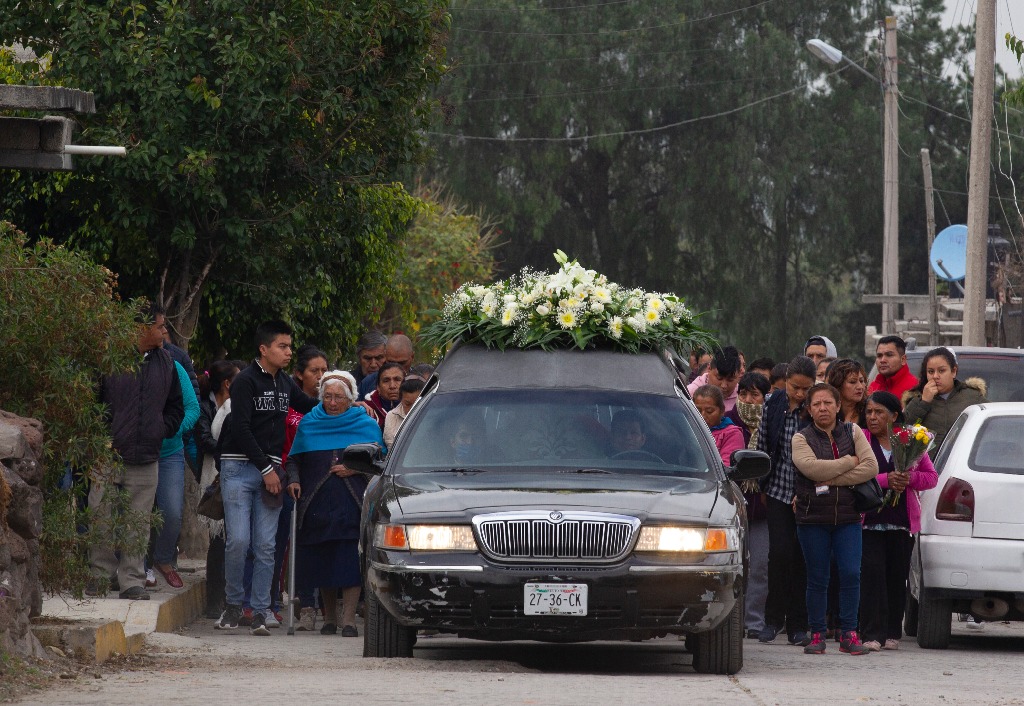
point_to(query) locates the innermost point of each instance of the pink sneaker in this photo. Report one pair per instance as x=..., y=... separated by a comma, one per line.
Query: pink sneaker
x=851, y=644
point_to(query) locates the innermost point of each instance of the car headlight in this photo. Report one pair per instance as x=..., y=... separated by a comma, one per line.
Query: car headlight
x=687, y=539
x=427, y=538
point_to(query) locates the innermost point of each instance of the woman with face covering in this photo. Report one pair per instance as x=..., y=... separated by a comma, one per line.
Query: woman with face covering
x=830, y=456
x=329, y=498
x=888, y=538
x=939, y=397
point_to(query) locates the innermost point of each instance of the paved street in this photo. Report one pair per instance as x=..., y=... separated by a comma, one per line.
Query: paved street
x=200, y=665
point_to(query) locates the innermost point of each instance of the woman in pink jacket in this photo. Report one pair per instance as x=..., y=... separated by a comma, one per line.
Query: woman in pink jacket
x=710, y=402
x=889, y=532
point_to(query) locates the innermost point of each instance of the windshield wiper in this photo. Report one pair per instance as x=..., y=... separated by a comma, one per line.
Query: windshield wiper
x=456, y=470
x=589, y=470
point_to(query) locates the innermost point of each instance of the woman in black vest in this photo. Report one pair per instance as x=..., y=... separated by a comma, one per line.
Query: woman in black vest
x=830, y=457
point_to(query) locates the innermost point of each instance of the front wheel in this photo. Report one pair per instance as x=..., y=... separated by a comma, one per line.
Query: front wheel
x=720, y=651
x=383, y=636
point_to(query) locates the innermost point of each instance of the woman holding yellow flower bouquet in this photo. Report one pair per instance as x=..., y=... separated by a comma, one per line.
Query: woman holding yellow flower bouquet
x=888, y=537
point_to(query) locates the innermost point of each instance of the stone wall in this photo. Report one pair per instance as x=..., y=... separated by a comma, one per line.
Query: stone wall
x=21, y=522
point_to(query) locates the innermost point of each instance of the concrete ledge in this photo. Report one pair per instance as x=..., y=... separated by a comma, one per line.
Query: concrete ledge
x=93, y=629
x=90, y=641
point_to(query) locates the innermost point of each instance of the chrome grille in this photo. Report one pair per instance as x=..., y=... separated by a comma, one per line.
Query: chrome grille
x=555, y=537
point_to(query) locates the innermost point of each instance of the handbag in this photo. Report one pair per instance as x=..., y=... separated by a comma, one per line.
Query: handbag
x=867, y=496
x=212, y=503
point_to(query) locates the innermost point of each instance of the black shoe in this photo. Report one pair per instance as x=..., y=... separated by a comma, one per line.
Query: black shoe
x=349, y=631
x=259, y=625
x=753, y=634
x=329, y=629
x=134, y=593
x=800, y=639
x=213, y=612
x=229, y=618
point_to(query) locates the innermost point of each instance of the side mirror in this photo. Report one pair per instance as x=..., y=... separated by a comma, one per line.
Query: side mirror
x=748, y=465
x=364, y=458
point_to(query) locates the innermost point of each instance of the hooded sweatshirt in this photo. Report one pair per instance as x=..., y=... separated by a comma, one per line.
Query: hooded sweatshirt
x=830, y=348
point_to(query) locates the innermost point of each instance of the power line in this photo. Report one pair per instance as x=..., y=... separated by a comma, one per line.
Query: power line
x=607, y=90
x=611, y=31
x=623, y=133
x=954, y=115
x=589, y=58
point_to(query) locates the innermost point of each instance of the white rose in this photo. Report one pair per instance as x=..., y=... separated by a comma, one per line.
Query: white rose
x=543, y=310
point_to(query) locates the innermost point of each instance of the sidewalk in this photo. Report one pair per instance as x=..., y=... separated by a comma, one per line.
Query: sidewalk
x=95, y=629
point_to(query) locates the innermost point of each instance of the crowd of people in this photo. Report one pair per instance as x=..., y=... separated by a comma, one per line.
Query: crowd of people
x=270, y=433
x=819, y=567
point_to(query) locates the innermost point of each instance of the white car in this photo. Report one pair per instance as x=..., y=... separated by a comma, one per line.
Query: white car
x=969, y=557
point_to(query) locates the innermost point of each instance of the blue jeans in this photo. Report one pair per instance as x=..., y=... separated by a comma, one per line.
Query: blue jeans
x=170, y=497
x=820, y=543
x=247, y=520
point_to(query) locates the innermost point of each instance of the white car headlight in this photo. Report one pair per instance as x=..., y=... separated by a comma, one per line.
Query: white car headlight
x=428, y=538
x=687, y=539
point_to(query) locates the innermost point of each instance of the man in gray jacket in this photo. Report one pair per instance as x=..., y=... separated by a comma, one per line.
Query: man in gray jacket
x=144, y=407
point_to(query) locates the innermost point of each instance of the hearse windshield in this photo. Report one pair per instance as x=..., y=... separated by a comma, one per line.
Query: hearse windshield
x=588, y=431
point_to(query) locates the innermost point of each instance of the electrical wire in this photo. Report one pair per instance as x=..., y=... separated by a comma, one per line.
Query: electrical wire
x=612, y=31
x=589, y=58
x=623, y=133
x=607, y=90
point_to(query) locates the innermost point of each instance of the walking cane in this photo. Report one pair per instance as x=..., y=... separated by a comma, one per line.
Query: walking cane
x=293, y=600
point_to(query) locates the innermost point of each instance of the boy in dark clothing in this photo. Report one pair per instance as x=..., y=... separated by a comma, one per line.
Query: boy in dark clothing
x=250, y=466
x=144, y=407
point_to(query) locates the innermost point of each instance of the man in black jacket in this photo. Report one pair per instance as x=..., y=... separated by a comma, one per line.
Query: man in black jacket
x=143, y=408
x=250, y=464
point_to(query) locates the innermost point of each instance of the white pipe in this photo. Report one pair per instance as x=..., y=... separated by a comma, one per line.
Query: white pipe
x=98, y=150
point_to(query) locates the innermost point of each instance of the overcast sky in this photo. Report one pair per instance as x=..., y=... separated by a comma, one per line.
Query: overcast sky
x=1010, y=18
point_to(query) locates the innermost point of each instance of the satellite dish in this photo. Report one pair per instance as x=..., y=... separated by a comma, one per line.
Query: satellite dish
x=948, y=256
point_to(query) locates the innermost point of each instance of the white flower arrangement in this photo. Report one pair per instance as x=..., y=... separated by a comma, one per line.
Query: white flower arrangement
x=574, y=307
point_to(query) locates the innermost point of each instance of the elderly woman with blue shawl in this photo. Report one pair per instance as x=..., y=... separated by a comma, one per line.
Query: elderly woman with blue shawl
x=329, y=497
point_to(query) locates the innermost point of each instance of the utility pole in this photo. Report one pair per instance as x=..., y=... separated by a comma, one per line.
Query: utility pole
x=891, y=198
x=978, y=189
x=929, y=209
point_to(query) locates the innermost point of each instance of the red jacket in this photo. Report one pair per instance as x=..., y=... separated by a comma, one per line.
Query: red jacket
x=899, y=383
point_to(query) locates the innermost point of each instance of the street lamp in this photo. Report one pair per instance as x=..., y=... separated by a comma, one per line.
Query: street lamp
x=890, y=239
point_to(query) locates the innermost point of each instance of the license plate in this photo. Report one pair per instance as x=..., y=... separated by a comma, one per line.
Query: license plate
x=555, y=599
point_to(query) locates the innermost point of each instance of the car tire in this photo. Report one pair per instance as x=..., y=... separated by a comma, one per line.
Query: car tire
x=720, y=651
x=910, y=615
x=934, y=619
x=383, y=636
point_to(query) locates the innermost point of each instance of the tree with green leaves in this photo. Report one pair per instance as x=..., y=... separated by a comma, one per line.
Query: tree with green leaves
x=263, y=143
x=699, y=148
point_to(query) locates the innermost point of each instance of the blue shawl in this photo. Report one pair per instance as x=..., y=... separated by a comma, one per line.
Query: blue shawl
x=319, y=431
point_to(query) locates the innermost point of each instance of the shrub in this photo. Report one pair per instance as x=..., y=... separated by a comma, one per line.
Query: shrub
x=63, y=326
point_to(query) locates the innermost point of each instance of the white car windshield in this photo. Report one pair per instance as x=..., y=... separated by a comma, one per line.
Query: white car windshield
x=553, y=430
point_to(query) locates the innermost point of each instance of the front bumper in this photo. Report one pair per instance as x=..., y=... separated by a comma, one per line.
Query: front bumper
x=471, y=596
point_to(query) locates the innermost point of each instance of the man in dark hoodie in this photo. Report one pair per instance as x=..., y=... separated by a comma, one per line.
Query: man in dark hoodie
x=144, y=407
x=250, y=474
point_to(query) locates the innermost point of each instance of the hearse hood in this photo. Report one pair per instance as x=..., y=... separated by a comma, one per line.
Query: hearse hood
x=450, y=496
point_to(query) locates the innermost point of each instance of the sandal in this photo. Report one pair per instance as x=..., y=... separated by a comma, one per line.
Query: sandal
x=349, y=631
